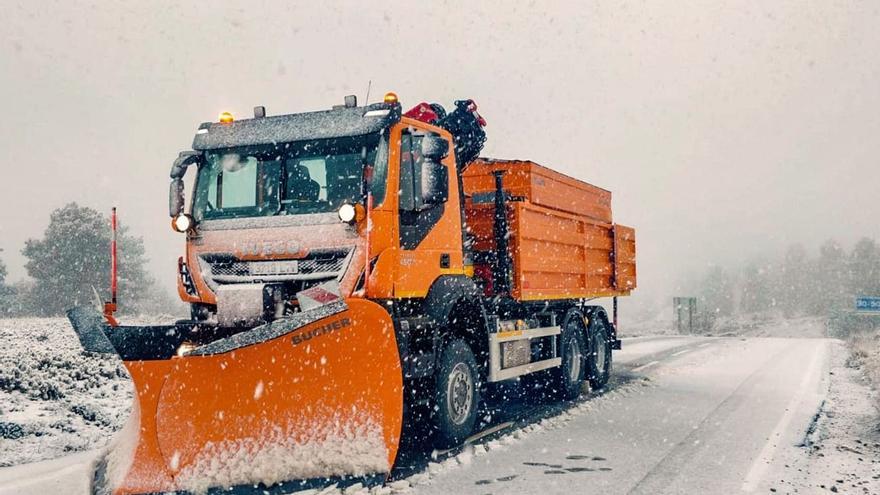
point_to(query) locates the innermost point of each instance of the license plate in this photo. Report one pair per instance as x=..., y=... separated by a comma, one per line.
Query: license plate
x=275, y=268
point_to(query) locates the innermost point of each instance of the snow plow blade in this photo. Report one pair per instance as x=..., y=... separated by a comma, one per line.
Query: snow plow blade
x=314, y=396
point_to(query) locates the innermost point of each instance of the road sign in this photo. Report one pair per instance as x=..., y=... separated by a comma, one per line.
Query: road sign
x=868, y=304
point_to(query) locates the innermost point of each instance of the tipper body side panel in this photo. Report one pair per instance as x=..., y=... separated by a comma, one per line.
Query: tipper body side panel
x=562, y=241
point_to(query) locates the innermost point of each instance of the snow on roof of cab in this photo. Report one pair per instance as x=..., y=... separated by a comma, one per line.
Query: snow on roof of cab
x=339, y=122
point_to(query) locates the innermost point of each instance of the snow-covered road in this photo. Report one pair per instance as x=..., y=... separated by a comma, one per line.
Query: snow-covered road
x=66, y=475
x=684, y=415
x=718, y=415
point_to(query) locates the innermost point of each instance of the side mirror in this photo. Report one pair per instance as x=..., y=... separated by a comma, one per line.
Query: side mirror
x=178, y=170
x=434, y=176
x=434, y=147
x=434, y=184
x=175, y=197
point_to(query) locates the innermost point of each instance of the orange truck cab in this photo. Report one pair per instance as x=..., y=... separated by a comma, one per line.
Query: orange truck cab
x=361, y=259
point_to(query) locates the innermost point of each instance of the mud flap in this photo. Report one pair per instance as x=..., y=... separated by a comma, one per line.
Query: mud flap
x=315, y=396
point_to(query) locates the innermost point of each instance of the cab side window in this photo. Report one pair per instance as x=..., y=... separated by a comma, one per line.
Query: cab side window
x=410, y=170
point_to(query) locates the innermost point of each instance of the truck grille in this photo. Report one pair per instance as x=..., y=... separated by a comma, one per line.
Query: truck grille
x=224, y=269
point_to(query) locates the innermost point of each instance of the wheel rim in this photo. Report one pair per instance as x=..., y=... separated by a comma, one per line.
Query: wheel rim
x=574, y=369
x=459, y=393
x=599, y=350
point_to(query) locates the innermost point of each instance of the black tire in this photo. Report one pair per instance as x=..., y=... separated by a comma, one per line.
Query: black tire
x=457, y=395
x=199, y=312
x=599, y=359
x=567, y=380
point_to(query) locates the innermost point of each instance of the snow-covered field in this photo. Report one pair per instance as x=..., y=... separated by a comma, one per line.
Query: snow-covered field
x=844, y=445
x=55, y=399
x=866, y=354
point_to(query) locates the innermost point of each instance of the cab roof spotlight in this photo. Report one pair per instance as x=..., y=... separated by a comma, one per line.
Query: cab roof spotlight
x=226, y=118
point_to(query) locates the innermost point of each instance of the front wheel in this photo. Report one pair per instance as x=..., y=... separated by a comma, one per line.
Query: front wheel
x=599, y=362
x=457, y=394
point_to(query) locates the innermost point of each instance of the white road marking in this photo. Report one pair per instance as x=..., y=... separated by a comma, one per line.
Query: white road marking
x=473, y=438
x=762, y=462
x=640, y=368
x=681, y=352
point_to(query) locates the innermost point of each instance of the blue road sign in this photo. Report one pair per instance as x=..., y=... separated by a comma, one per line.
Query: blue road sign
x=868, y=304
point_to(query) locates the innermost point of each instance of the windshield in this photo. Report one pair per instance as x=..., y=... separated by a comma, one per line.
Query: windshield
x=284, y=179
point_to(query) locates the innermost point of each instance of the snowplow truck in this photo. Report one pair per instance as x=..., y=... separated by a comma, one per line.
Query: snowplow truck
x=348, y=267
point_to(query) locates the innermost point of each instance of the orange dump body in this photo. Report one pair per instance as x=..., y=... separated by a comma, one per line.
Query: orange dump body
x=562, y=242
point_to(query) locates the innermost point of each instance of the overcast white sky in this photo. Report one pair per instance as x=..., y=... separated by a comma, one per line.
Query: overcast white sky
x=722, y=128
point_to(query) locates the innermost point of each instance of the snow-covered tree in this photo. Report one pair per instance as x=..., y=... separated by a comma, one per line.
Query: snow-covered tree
x=6, y=293
x=74, y=255
x=832, y=277
x=793, y=286
x=758, y=284
x=864, y=268
x=796, y=283
x=717, y=292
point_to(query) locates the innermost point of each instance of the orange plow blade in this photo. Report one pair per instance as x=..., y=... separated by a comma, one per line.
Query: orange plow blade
x=318, y=395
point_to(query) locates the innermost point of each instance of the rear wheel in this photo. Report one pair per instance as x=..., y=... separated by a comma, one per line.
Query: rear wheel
x=457, y=394
x=599, y=361
x=566, y=380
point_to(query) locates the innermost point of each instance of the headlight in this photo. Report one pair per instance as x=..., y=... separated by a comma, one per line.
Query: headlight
x=182, y=223
x=185, y=348
x=347, y=213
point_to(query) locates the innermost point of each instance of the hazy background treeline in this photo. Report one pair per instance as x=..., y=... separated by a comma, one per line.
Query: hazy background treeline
x=798, y=282
x=70, y=265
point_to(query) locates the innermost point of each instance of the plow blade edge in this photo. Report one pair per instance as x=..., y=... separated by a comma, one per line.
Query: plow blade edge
x=318, y=395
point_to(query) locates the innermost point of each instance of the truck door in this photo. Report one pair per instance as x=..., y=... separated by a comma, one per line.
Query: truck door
x=430, y=234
